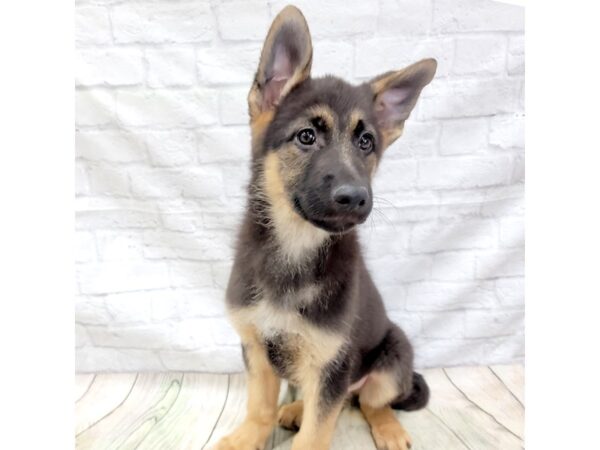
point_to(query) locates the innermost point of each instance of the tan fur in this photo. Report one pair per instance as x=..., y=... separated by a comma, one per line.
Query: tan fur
x=312, y=347
x=325, y=113
x=254, y=103
x=292, y=165
x=379, y=390
x=317, y=427
x=290, y=415
x=372, y=167
x=390, y=135
x=381, y=83
x=355, y=117
x=263, y=392
x=298, y=77
x=297, y=237
x=315, y=346
x=387, y=431
x=258, y=126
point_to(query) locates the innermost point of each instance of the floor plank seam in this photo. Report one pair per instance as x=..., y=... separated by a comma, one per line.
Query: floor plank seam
x=449, y=429
x=220, y=413
x=112, y=410
x=87, y=389
x=166, y=412
x=507, y=388
x=479, y=391
x=479, y=407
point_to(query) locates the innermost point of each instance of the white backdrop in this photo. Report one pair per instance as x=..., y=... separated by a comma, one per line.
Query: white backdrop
x=162, y=148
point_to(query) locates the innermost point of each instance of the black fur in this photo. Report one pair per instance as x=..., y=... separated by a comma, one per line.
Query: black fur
x=335, y=379
x=348, y=304
x=418, y=398
x=279, y=356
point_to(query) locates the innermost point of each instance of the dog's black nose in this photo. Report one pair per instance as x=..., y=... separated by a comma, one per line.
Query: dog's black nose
x=351, y=198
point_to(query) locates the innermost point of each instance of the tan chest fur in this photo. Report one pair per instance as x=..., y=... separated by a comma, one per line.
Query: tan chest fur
x=310, y=346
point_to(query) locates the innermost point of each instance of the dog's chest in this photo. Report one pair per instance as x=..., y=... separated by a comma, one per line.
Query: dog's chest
x=283, y=351
x=293, y=344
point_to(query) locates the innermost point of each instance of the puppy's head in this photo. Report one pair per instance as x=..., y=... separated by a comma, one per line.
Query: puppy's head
x=319, y=140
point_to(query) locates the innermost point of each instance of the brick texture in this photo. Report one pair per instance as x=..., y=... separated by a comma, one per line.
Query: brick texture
x=162, y=148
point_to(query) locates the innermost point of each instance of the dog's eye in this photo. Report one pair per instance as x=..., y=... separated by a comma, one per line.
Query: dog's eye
x=306, y=136
x=366, y=142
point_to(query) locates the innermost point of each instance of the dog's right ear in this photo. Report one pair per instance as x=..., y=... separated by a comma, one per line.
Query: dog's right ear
x=285, y=61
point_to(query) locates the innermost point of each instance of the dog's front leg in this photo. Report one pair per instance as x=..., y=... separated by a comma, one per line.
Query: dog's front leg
x=263, y=393
x=324, y=395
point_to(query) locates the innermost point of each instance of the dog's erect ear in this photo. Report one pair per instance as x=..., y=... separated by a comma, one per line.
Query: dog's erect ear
x=395, y=95
x=285, y=61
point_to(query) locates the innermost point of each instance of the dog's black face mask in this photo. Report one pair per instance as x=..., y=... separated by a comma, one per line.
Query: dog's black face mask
x=320, y=140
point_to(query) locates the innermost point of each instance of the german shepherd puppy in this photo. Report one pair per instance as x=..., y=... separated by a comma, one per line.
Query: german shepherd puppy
x=299, y=294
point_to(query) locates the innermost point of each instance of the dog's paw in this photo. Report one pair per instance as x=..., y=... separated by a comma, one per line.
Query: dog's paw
x=249, y=436
x=391, y=436
x=290, y=416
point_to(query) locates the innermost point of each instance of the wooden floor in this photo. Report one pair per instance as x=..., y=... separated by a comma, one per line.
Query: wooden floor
x=474, y=408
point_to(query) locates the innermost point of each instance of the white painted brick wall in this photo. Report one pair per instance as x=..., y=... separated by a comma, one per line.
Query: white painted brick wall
x=162, y=161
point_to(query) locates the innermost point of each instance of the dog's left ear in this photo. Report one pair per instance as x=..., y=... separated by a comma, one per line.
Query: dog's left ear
x=395, y=96
x=285, y=61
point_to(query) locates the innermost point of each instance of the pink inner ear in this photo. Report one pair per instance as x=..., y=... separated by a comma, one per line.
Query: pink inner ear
x=273, y=91
x=282, y=65
x=280, y=73
x=393, y=105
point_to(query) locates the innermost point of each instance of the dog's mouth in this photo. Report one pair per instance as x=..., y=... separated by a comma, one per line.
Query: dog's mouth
x=332, y=223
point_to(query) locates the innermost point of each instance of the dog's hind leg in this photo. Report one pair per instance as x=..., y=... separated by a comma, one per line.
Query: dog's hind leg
x=392, y=384
x=375, y=397
x=388, y=433
x=263, y=393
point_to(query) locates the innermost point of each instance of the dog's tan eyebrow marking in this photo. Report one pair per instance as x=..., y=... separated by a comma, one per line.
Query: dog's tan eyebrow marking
x=356, y=118
x=357, y=124
x=324, y=113
x=319, y=123
x=359, y=128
